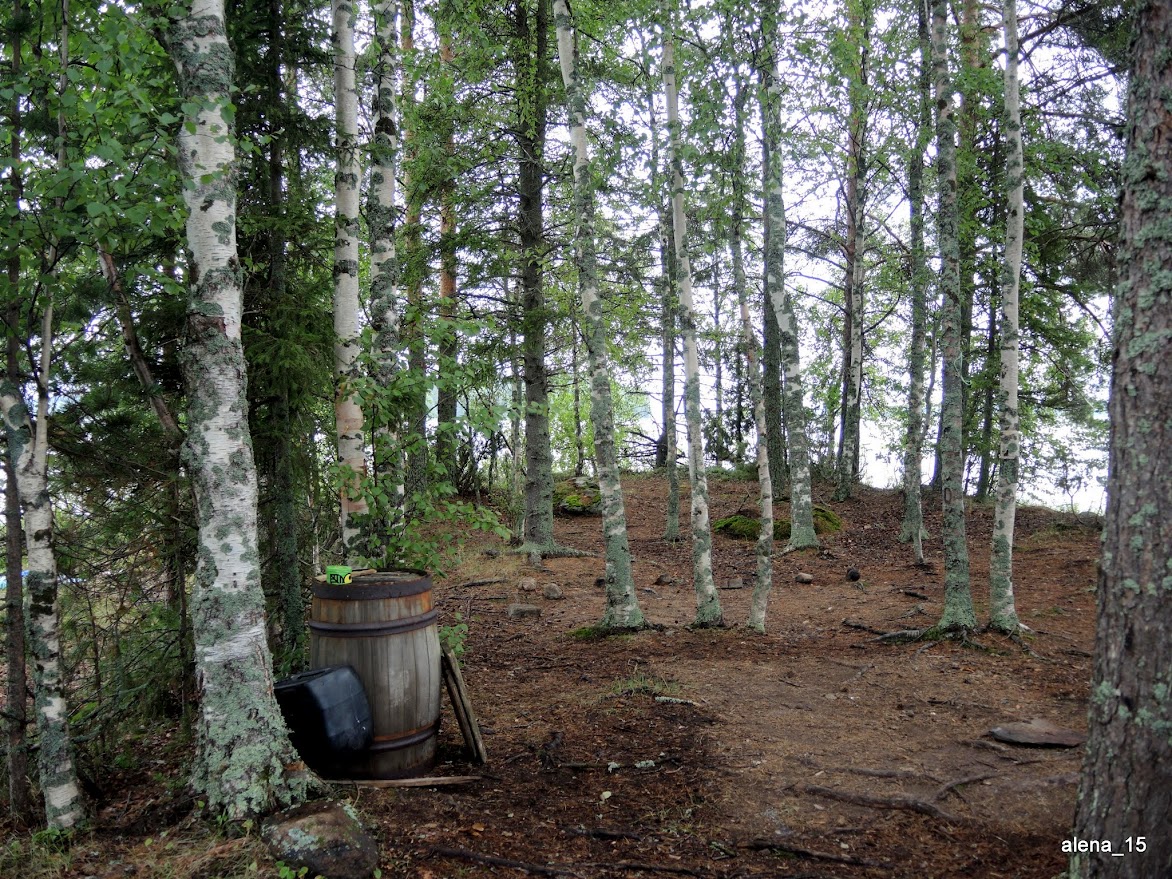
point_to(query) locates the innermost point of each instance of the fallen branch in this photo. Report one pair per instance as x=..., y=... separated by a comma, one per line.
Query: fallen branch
x=603, y=833
x=889, y=773
x=464, y=854
x=432, y=781
x=910, y=804
x=650, y=868
x=791, y=849
x=863, y=627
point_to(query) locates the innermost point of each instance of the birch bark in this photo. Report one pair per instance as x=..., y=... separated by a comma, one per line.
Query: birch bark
x=622, y=605
x=912, y=528
x=958, y=603
x=242, y=750
x=708, y=612
x=802, y=533
x=1002, y=610
x=347, y=412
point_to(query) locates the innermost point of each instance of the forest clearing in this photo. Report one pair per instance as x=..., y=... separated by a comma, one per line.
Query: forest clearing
x=309, y=304
x=749, y=766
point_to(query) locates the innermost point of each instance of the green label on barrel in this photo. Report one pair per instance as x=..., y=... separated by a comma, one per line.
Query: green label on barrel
x=338, y=575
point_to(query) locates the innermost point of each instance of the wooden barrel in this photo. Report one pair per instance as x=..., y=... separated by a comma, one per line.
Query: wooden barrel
x=384, y=625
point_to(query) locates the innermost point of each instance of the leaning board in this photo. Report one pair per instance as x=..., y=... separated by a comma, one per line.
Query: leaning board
x=465, y=716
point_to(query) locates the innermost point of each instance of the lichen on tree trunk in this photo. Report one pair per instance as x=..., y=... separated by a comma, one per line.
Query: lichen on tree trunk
x=622, y=604
x=802, y=535
x=243, y=749
x=1126, y=789
x=958, y=615
x=708, y=612
x=1002, y=608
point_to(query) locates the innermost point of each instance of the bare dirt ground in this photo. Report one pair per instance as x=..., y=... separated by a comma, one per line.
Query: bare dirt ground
x=811, y=751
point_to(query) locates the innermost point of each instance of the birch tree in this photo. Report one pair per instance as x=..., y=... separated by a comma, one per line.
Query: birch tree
x=802, y=535
x=708, y=611
x=622, y=605
x=1002, y=610
x=28, y=454
x=912, y=527
x=242, y=747
x=347, y=412
x=858, y=36
x=385, y=309
x=1126, y=790
x=958, y=602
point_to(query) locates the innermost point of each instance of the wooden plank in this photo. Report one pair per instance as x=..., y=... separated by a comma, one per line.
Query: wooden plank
x=430, y=781
x=462, y=706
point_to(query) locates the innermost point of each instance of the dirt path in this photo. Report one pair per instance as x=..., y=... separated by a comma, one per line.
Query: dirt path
x=810, y=751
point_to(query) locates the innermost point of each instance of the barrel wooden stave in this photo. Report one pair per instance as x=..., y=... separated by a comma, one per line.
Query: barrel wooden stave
x=392, y=641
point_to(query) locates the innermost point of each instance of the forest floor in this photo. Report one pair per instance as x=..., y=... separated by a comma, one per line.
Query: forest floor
x=811, y=751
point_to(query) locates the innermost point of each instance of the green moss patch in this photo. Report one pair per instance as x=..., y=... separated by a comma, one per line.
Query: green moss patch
x=741, y=527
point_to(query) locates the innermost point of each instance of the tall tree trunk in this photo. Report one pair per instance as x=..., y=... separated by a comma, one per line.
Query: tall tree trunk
x=243, y=750
x=708, y=611
x=958, y=603
x=912, y=528
x=764, y=581
x=385, y=308
x=801, y=501
x=1126, y=791
x=771, y=393
x=668, y=449
x=622, y=605
x=413, y=268
x=285, y=566
x=447, y=386
x=20, y=804
x=1002, y=609
x=347, y=228
x=859, y=35
x=28, y=449
x=532, y=44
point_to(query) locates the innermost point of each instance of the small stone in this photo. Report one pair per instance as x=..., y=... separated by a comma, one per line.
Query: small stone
x=803, y=578
x=852, y=574
x=526, y=584
x=523, y=611
x=733, y=583
x=552, y=591
x=492, y=553
x=324, y=837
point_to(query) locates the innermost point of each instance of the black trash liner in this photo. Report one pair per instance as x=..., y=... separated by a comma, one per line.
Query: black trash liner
x=328, y=717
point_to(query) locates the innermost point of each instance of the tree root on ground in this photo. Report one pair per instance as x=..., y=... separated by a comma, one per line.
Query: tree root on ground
x=910, y=804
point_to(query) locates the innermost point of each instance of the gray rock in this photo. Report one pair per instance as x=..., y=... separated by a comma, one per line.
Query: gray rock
x=523, y=611
x=526, y=584
x=733, y=583
x=804, y=578
x=325, y=837
x=552, y=591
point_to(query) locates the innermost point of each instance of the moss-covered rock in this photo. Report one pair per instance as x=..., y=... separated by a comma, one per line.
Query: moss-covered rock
x=738, y=527
x=579, y=496
x=742, y=527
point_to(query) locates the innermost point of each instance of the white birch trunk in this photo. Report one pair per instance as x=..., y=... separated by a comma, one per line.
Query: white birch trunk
x=384, y=299
x=28, y=449
x=958, y=615
x=1002, y=610
x=708, y=612
x=622, y=605
x=347, y=413
x=243, y=758
x=802, y=535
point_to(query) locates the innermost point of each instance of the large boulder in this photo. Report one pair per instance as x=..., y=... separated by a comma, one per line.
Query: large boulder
x=577, y=496
x=324, y=836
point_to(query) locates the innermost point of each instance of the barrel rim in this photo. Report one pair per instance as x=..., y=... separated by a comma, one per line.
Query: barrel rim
x=377, y=585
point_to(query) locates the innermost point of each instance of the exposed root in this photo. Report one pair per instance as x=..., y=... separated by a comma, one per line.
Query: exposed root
x=910, y=804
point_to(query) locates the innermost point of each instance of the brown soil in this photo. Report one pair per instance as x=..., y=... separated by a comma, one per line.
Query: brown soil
x=814, y=750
